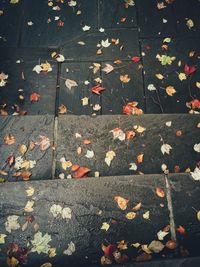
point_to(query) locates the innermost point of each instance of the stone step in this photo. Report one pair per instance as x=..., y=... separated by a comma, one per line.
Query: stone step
x=73, y=212
x=75, y=143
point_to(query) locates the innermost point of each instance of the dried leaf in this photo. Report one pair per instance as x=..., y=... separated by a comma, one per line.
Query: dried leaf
x=29, y=206
x=2, y=238
x=121, y=202
x=105, y=226
x=34, y=97
x=97, y=89
x=125, y=78
x=23, y=149
x=41, y=243
x=165, y=148
x=70, y=250
x=81, y=172
x=170, y=90
x=9, y=139
x=70, y=83
x=108, y=68
x=130, y=215
x=160, y=192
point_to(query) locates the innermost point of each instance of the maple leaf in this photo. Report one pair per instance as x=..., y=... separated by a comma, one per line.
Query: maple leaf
x=165, y=148
x=118, y=134
x=170, y=90
x=125, y=78
x=97, y=89
x=109, y=157
x=9, y=139
x=34, y=97
x=12, y=223
x=44, y=142
x=132, y=109
x=55, y=210
x=189, y=69
x=41, y=243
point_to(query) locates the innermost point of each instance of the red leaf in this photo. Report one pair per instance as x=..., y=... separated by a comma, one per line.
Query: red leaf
x=108, y=251
x=81, y=172
x=34, y=97
x=131, y=109
x=129, y=134
x=10, y=160
x=195, y=103
x=189, y=69
x=135, y=59
x=181, y=230
x=97, y=89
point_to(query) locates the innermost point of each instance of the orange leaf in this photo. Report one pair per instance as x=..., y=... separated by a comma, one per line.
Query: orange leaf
x=171, y=244
x=9, y=139
x=81, y=172
x=137, y=207
x=34, y=97
x=121, y=202
x=160, y=192
x=130, y=134
x=131, y=109
x=26, y=175
x=86, y=142
x=140, y=158
x=75, y=168
x=125, y=78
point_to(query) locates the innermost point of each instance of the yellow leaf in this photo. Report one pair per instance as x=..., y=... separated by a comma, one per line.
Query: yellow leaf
x=2, y=238
x=159, y=76
x=25, y=164
x=30, y=191
x=47, y=264
x=198, y=85
x=85, y=101
x=66, y=164
x=52, y=252
x=105, y=226
x=146, y=249
x=140, y=129
x=12, y=262
x=182, y=76
x=130, y=215
x=146, y=215
x=170, y=90
x=135, y=245
x=198, y=215
x=23, y=149
x=29, y=206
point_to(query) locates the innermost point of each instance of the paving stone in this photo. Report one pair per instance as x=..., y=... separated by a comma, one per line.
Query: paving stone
x=57, y=24
x=10, y=21
x=187, y=12
x=117, y=93
x=185, y=198
x=154, y=22
x=115, y=14
x=91, y=204
x=126, y=47
x=181, y=136
x=83, y=74
x=25, y=129
x=186, y=90
x=19, y=64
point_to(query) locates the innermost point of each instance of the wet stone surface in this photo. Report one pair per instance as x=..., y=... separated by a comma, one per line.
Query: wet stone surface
x=91, y=205
x=185, y=193
x=56, y=24
x=183, y=52
x=23, y=81
x=21, y=160
x=85, y=141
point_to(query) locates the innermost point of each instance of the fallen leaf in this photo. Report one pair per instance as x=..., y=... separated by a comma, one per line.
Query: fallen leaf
x=108, y=68
x=135, y=59
x=12, y=223
x=170, y=90
x=196, y=174
x=130, y=215
x=181, y=230
x=26, y=175
x=160, y=192
x=109, y=157
x=132, y=109
x=40, y=243
x=29, y=206
x=105, y=43
x=30, y=191
x=159, y=76
x=46, y=264
x=85, y=101
x=97, y=89
x=137, y=207
x=70, y=83
x=165, y=148
x=121, y=202
x=197, y=148
x=81, y=172
x=66, y=213
x=140, y=158
x=156, y=246
x=198, y=215
x=122, y=245
x=105, y=226
x=70, y=250
x=162, y=234
x=146, y=215
x=62, y=109
x=12, y=261
x=2, y=238
x=86, y=28
x=125, y=78
x=189, y=69
x=171, y=244
x=23, y=149
x=118, y=134
x=89, y=154
x=55, y=210
x=9, y=139
x=182, y=76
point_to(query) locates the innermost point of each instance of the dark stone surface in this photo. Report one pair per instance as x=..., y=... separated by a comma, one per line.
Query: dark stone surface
x=117, y=93
x=18, y=63
x=26, y=129
x=91, y=205
x=148, y=143
x=10, y=22
x=128, y=42
x=79, y=72
x=45, y=30
x=113, y=13
x=151, y=19
x=185, y=10
x=185, y=198
x=186, y=90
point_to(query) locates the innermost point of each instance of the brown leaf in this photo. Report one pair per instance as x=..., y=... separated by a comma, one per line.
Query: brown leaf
x=9, y=139
x=121, y=202
x=160, y=192
x=81, y=172
x=171, y=244
x=26, y=175
x=137, y=207
x=62, y=109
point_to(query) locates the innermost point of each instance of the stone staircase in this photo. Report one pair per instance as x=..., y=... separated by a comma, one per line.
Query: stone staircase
x=84, y=180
